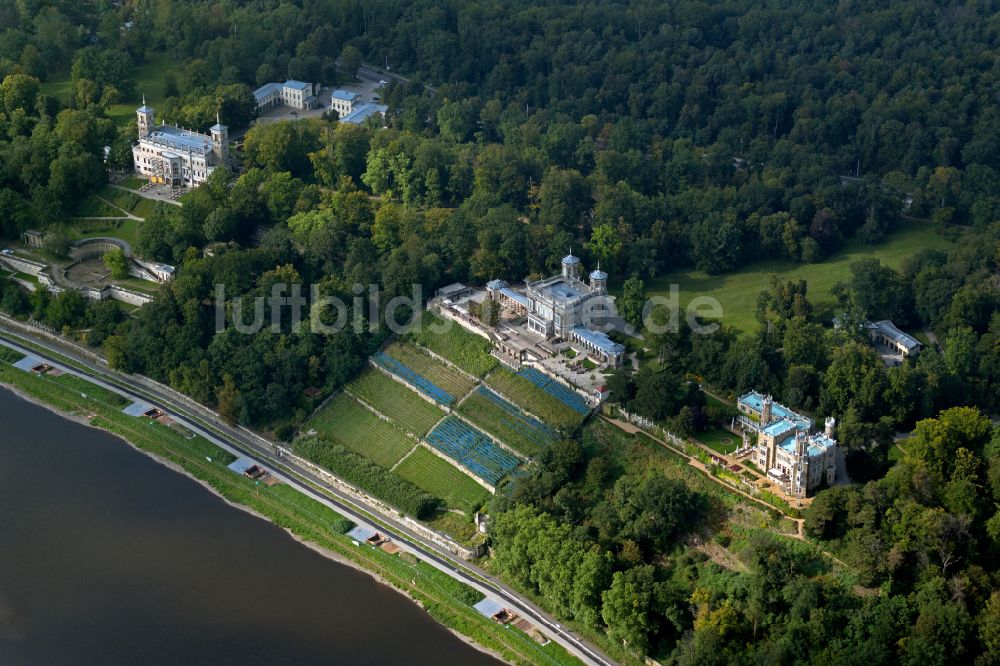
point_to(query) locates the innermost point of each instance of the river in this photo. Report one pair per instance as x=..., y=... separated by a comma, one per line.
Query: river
x=108, y=557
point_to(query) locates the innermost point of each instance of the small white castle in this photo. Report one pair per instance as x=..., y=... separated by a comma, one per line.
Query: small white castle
x=793, y=458
x=169, y=155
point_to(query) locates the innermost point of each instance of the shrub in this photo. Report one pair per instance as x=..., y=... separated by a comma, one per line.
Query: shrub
x=365, y=474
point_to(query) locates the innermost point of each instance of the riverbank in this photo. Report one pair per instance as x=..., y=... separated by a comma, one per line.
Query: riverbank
x=174, y=467
x=443, y=598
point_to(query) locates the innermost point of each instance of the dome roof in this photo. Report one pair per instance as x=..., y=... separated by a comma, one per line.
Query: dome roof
x=598, y=275
x=570, y=259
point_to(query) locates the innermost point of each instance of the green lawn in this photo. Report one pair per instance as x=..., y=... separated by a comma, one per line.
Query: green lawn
x=459, y=527
x=467, y=350
x=396, y=401
x=529, y=397
x=148, y=81
x=441, y=375
x=93, y=206
x=144, y=208
x=8, y=355
x=442, y=479
x=126, y=229
x=123, y=199
x=714, y=439
x=142, y=286
x=346, y=422
x=737, y=292
x=515, y=430
x=132, y=182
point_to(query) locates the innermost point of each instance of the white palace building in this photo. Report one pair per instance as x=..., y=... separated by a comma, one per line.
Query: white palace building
x=177, y=157
x=564, y=306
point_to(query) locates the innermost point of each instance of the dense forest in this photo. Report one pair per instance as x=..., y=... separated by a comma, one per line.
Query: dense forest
x=646, y=136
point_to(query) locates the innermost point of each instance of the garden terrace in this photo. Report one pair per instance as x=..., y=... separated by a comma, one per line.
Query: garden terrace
x=466, y=350
x=395, y=400
x=551, y=386
x=473, y=450
x=347, y=422
x=532, y=398
x=440, y=478
x=507, y=422
x=421, y=370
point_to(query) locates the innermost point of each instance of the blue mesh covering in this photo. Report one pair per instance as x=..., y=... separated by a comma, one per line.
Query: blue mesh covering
x=518, y=421
x=565, y=395
x=473, y=450
x=403, y=371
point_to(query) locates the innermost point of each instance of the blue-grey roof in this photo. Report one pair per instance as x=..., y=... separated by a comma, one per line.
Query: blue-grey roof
x=346, y=95
x=755, y=401
x=598, y=275
x=779, y=428
x=266, y=90
x=363, y=113
x=297, y=85
x=137, y=409
x=217, y=127
x=816, y=445
x=889, y=330
x=599, y=339
x=488, y=607
x=496, y=284
x=175, y=137
x=570, y=259
x=563, y=291
x=241, y=465
x=520, y=299
x=361, y=533
x=144, y=109
x=27, y=363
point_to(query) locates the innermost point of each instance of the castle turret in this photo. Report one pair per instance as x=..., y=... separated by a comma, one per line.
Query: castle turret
x=831, y=424
x=145, y=119
x=801, y=439
x=765, y=411
x=220, y=141
x=571, y=266
x=599, y=281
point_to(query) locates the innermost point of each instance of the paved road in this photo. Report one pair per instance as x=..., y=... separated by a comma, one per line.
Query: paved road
x=239, y=444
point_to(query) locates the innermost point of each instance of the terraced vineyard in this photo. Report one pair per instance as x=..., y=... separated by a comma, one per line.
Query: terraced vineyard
x=507, y=422
x=531, y=397
x=442, y=479
x=467, y=350
x=348, y=423
x=396, y=401
x=472, y=450
x=446, y=378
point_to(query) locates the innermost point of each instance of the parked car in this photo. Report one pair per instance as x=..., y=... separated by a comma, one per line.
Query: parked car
x=383, y=82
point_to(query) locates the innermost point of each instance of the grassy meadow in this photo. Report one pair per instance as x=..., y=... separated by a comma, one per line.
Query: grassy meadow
x=737, y=291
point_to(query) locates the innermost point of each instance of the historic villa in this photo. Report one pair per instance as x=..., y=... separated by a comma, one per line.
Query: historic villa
x=177, y=157
x=795, y=459
x=564, y=306
x=295, y=94
x=885, y=334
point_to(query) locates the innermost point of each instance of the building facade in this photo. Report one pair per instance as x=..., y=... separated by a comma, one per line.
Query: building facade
x=344, y=101
x=885, y=334
x=564, y=306
x=176, y=157
x=295, y=94
x=793, y=457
